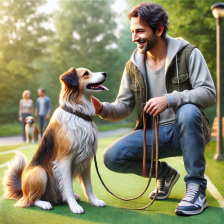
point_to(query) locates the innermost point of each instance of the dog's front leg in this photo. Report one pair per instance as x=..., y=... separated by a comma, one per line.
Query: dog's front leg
x=32, y=137
x=65, y=168
x=86, y=179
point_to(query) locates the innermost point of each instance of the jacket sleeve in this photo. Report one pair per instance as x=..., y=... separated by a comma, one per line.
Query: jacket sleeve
x=37, y=104
x=123, y=105
x=49, y=105
x=203, y=92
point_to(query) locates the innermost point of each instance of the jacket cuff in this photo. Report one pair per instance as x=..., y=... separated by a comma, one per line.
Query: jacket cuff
x=172, y=99
x=104, y=112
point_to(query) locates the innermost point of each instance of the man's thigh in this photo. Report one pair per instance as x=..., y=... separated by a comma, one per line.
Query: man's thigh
x=130, y=147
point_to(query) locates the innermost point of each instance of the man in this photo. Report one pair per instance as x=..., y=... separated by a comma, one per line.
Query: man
x=172, y=78
x=43, y=110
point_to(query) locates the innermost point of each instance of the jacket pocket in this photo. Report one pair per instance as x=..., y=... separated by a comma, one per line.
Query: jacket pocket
x=182, y=78
x=135, y=87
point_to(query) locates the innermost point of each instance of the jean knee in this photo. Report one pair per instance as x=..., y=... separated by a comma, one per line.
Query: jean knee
x=110, y=159
x=188, y=114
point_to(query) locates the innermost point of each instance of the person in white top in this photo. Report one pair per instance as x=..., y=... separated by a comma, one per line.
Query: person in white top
x=25, y=110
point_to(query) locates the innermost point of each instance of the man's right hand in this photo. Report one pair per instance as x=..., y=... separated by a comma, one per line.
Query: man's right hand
x=97, y=104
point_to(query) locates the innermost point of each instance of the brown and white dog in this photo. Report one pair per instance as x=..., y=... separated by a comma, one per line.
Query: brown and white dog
x=31, y=130
x=65, y=151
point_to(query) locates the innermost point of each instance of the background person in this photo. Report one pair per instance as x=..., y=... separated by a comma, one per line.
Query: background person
x=43, y=110
x=172, y=78
x=25, y=110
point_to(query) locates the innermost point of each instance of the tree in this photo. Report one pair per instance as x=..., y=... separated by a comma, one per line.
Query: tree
x=84, y=37
x=23, y=39
x=193, y=21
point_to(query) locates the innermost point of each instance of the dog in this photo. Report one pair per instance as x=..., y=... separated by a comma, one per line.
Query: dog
x=65, y=151
x=31, y=130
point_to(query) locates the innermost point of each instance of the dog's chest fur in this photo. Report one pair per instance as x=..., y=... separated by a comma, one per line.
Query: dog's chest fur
x=30, y=129
x=82, y=136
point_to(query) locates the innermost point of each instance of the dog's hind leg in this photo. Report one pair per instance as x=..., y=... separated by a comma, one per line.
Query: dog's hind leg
x=85, y=179
x=34, y=186
x=65, y=168
x=43, y=204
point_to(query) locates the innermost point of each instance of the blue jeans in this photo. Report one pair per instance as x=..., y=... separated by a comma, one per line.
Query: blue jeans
x=184, y=138
x=43, y=123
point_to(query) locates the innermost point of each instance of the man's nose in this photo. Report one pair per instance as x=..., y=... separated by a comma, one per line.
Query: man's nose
x=135, y=37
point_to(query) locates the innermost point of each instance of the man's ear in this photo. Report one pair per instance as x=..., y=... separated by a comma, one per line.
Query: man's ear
x=70, y=77
x=160, y=30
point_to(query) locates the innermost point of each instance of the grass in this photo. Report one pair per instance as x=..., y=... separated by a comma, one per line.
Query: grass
x=10, y=129
x=126, y=185
x=16, y=128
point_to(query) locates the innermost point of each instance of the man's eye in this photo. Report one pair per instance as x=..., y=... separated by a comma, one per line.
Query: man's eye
x=86, y=73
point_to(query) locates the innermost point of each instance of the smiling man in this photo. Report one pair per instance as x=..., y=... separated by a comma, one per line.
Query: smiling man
x=170, y=77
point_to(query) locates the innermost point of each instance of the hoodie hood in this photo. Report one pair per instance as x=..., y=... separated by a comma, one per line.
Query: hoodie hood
x=174, y=45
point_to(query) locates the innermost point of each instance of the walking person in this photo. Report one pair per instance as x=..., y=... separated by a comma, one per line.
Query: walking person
x=25, y=110
x=43, y=110
x=172, y=79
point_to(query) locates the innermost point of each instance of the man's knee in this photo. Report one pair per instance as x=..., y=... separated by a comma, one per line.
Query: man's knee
x=109, y=159
x=188, y=114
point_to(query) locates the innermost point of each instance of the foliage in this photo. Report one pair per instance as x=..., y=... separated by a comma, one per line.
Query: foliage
x=85, y=35
x=22, y=39
x=193, y=20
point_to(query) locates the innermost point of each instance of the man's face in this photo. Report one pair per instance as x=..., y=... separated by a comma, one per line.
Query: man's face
x=40, y=93
x=142, y=35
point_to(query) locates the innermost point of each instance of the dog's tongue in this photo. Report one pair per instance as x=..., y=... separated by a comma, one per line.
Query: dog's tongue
x=103, y=87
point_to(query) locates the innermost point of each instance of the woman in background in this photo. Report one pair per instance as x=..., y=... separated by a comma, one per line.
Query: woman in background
x=25, y=110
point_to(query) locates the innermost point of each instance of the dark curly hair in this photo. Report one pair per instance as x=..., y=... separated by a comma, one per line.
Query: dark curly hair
x=152, y=14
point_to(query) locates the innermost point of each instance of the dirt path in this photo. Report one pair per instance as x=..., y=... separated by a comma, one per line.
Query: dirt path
x=14, y=140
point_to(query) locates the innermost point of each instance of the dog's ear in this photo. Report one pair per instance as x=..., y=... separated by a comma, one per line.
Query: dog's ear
x=32, y=119
x=26, y=119
x=70, y=77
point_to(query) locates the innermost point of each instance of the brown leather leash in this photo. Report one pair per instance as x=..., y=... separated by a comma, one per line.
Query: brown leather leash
x=155, y=121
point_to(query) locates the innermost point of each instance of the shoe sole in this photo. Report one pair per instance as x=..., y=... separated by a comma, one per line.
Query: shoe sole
x=171, y=186
x=189, y=213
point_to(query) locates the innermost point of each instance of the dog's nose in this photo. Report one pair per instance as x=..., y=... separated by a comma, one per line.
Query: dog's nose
x=104, y=73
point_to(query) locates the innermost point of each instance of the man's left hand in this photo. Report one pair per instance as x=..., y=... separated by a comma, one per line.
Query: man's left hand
x=156, y=105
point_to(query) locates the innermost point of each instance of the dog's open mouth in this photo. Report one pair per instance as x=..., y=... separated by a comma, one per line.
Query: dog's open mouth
x=97, y=86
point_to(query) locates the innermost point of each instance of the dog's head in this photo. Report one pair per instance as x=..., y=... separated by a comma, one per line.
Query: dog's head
x=81, y=82
x=29, y=120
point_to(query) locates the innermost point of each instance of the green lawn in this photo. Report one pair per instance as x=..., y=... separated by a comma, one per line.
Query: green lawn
x=126, y=185
x=16, y=128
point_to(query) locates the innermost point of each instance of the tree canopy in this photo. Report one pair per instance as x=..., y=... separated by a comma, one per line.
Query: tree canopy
x=85, y=34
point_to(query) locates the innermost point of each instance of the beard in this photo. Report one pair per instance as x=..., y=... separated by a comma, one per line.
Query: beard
x=149, y=43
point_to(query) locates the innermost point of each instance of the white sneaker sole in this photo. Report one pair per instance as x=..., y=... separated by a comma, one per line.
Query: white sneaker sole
x=195, y=212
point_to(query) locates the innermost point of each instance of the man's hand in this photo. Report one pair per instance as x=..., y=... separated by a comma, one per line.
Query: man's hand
x=47, y=116
x=97, y=104
x=35, y=113
x=156, y=105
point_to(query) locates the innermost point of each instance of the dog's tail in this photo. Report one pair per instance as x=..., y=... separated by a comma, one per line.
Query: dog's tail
x=12, y=177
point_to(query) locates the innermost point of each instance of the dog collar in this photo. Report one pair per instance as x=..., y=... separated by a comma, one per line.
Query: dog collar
x=78, y=114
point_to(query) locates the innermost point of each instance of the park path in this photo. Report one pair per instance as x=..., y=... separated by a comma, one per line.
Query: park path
x=14, y=140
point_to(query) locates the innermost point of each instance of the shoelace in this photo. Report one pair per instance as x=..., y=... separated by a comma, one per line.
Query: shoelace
x=190, y=194
x=160, y=183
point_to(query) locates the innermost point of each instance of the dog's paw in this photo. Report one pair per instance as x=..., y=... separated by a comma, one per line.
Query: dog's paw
x=98, y=203
x=77, y=197
x=27, y=142
x=32, y=142
x=77, y=209
x=43, y=204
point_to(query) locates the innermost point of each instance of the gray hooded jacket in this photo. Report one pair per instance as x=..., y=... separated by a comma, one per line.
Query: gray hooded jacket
x=203, y=92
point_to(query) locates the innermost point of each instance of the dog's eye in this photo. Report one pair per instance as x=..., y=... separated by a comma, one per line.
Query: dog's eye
x=86, y=73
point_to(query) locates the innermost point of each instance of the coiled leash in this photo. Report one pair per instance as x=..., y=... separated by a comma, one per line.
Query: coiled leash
x=156, y=122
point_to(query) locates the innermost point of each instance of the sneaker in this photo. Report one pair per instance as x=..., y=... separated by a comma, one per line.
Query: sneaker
x=194, y=201
x=165, y=184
